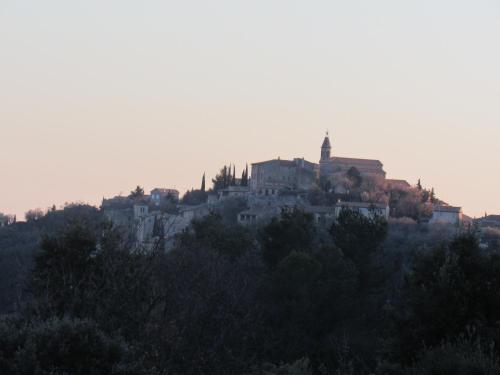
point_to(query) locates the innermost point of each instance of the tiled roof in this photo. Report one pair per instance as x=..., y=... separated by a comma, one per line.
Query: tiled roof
x=362, y=205
x=491, y=218
x=354, y=161
x=164, y=191
x=394, y=181
x=285, y=163
x=447, y=209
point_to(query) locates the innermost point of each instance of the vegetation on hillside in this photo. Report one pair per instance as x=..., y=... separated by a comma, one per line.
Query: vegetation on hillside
x=288, y=297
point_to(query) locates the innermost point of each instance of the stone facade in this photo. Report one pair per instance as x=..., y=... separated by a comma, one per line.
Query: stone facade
x=323, y=215
x=273, y=176
x=447, y=215
x=159, y=194
x=367, y=209
x=332, y=166
x=234, y=191
x=491, y=221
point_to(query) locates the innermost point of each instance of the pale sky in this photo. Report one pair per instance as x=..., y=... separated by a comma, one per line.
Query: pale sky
x=98, y=96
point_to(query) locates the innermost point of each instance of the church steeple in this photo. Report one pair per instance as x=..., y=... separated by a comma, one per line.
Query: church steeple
x=326, y=148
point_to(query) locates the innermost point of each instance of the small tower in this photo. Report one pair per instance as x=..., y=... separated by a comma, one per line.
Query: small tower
x=326, y=148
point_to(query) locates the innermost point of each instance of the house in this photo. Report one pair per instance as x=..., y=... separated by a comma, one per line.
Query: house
x=367, y=209
x=446, y=215
x=492, y=221
x=140, y=210
x=323, y=215
x=258, y=214
x=234, y=191
x=158, y=194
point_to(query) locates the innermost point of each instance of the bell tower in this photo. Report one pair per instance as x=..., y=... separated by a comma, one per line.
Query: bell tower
x=326, y=148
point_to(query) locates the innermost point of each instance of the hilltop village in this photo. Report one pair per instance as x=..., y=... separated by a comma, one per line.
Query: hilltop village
x=322, y=189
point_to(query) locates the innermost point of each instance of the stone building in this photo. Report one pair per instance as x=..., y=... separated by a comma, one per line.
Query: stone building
x=273, y=176
x=331, y=166
x=491, y=221
x=257, y=215
x=392, y=184
x=447, y=215
x=323, y=215
x=234, y=191
x=159, y=194
x=367, y=209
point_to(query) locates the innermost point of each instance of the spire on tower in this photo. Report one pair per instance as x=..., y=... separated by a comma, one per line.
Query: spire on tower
x=326, y=148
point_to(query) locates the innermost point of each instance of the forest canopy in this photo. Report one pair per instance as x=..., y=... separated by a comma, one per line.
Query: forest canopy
x=288, y=297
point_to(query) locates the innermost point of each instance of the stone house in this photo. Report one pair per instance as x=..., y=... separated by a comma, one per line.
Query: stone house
x=234, y=191
x=367, y=209
x=446, y=215
x=159, y=194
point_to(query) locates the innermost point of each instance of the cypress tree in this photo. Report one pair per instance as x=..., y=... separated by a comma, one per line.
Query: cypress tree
x=203, y=182
x=419, y=185
x=225, y=176
x=243, y=179
x=433, y=196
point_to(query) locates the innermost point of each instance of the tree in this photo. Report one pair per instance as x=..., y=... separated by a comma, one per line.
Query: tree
x=62, y=273
x=210, y=321
x=360, y=238
x=60, y=346
x=299, y=367
x=226, y=177
x=449, y=291
x=233, y=178
x=138, y=193
x=7, y=219
x=244, y=176
x=432, y=196
x=463, y=356
x=203, y=183
x=221, y=180
x=194, y=197
x=212, y=232
x=419, y=185
x=354, y=176
x=294, y=230
x=34, y=215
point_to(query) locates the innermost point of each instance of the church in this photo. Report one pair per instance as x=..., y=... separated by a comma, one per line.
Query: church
x=272, y=176
x=331, y=166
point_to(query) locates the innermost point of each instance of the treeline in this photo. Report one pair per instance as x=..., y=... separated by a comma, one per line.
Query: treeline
x=285, y=298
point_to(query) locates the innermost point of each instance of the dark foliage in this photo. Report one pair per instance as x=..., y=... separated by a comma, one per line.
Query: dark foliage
x=194, y=197
x=288, y=298
x=61, y=346
x=451, y=290
x=294, y=231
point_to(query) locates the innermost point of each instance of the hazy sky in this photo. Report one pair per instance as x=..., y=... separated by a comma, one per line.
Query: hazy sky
x=99, y=96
